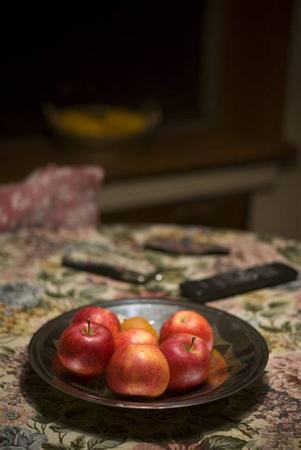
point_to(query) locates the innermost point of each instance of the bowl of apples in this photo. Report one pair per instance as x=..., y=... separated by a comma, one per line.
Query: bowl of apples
x=148, y=353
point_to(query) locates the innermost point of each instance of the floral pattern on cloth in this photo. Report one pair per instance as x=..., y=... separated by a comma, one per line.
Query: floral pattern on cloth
x=20, y=438
x=33, y=415
x=52, y=197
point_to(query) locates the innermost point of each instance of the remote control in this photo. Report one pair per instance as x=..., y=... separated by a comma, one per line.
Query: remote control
x=122, y=265
x=237, y=282
x=107, y=270
x=185, y=246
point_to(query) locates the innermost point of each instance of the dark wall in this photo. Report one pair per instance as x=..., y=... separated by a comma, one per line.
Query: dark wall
x=117, y=52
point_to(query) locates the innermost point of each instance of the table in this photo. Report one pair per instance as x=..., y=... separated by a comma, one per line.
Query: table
x=33, y=415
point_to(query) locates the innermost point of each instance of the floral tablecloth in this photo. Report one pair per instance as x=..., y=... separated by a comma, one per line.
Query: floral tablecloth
x=34, y=415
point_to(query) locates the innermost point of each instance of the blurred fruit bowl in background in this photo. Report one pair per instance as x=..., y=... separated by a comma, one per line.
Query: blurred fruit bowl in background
x=102, y=126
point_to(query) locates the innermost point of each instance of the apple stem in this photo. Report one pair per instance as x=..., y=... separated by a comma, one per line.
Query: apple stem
x=192, y=342
x=89, y=327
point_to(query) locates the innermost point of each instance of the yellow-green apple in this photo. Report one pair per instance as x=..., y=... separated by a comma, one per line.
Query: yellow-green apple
x=85, y=348
x=218, y=371
x=134, y=336
x=138, y=370
x=188, y=358
x=187, y=321
x=139, y=322
x=100, y=315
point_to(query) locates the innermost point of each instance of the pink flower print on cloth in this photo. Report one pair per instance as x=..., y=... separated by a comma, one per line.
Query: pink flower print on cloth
x=53, y=197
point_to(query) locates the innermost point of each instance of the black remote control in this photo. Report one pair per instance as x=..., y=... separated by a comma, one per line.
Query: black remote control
x=185, y=246
x=237, y=282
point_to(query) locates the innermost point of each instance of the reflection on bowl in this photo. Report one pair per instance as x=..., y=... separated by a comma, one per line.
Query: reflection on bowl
x=100, y=124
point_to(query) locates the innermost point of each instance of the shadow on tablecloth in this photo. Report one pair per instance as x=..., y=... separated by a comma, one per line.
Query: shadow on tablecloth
x=60, y=413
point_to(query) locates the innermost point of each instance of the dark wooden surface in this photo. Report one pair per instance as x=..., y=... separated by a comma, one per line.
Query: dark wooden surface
x=168, y=153
x=224, y=211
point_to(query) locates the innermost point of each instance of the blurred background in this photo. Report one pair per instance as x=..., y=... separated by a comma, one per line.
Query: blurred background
x=193, y=109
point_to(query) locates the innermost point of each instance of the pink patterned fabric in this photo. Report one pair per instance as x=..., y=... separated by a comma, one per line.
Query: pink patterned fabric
x=52, y=197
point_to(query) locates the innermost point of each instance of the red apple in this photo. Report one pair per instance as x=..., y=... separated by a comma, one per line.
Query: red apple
x=134, y=336
x=85, y=348
x=138, y=369
x=96, y=314
x=57, y=365
x=188, y=358
x=187, y=321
